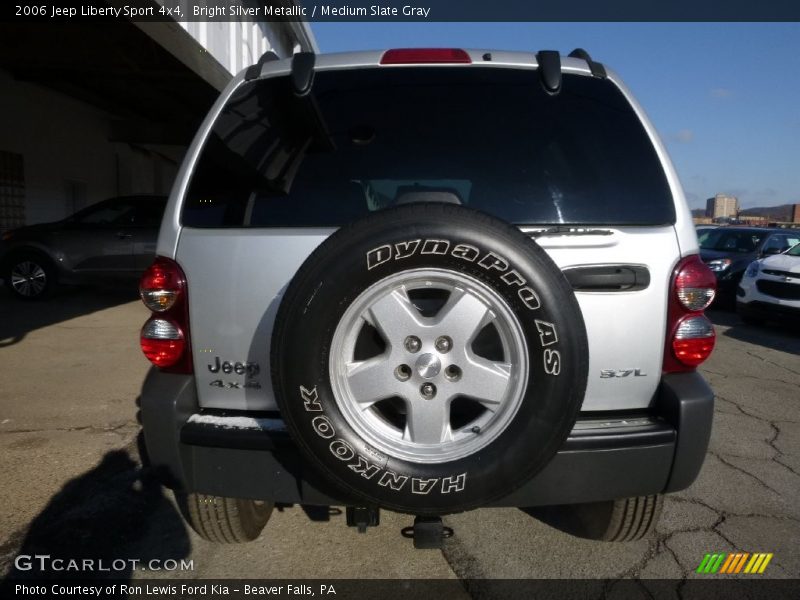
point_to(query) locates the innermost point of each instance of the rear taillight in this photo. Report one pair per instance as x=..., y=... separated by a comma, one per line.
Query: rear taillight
x=417, y=56
x=690, y=335
x=165, y=336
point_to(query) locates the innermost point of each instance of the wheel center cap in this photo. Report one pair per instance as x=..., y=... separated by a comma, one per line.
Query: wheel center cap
x=428, y=366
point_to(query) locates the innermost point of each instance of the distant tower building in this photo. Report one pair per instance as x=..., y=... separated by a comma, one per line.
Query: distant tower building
x=796, y=213
x=722, y=206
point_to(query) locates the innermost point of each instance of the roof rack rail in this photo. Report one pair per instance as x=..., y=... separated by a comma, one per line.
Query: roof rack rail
x=254, y=71
x=597, y=69
x=549, y=70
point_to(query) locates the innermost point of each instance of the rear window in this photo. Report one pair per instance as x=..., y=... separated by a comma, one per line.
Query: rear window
x=486, y=138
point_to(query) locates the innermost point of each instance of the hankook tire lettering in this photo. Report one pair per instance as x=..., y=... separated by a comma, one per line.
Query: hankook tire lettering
x=393, y=480
x=342, y=450
x=310, y=401
x=323, y=427
x=346, y=453
x=364, y=468
x=453, y=484
x=423, y=486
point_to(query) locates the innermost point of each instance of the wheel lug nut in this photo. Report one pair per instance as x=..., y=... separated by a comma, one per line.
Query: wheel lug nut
x=413, y=344
x=428, y=390
x=453, y=373
x=403, y=372
x=443, y=344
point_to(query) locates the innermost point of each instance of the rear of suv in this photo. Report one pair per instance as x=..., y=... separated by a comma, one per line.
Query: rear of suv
x=427, y=280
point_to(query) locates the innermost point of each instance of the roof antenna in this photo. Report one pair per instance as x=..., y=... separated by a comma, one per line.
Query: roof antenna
x=550, y=70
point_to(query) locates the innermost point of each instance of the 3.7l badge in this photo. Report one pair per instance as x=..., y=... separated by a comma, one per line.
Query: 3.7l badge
x=609, y=373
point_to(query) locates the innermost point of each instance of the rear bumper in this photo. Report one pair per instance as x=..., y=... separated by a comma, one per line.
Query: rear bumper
x=602, y=459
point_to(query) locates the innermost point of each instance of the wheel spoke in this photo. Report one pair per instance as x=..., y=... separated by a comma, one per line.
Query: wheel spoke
x=428, y=421
x=463, y=316
x=486, y=381
x=371, y=380
x=394, y=315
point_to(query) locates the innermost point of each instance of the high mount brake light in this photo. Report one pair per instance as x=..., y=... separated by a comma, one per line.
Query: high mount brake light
x=690, y=335
x=419, y=56
x=165, y=336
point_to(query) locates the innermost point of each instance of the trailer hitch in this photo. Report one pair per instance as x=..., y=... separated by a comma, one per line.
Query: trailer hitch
x=427, y=532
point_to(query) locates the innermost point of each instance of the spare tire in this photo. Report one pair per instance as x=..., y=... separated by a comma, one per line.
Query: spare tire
x=429, y=358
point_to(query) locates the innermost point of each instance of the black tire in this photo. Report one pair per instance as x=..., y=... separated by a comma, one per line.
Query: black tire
x=622, y=520
x=39, y=267
x=340, y=270
x=224, y=520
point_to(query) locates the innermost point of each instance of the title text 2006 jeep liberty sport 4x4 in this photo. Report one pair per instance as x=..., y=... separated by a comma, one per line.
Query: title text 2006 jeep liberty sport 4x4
x=427, y=280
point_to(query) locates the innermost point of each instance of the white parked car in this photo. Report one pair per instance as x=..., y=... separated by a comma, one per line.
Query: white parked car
x=770, y=288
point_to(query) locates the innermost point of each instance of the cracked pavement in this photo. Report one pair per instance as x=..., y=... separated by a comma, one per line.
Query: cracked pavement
x=71, y=482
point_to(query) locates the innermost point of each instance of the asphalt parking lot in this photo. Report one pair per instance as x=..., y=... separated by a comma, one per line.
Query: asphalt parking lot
x=72, y=485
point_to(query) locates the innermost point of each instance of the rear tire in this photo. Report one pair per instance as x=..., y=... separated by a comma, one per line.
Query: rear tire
x=622, y=520
x=224, y=520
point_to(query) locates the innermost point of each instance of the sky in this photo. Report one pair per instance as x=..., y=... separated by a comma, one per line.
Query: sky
x=725, y=97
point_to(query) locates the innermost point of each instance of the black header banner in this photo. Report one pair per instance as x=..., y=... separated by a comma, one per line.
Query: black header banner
x=404, y=10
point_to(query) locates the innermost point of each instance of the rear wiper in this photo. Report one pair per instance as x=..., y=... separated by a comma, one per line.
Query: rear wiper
x=569, y=230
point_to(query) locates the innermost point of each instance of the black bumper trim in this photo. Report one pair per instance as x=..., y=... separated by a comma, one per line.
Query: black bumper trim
x=602, y=459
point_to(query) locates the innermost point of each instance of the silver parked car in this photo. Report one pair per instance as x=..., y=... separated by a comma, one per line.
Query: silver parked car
x=427, y=281
x=114, y=240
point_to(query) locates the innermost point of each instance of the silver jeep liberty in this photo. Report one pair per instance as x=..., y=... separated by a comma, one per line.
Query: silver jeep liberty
x=427, y=280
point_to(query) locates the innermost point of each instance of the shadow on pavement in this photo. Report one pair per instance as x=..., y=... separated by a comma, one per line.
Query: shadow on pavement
x=784, y=337
x=18, y=317
x=113, y=515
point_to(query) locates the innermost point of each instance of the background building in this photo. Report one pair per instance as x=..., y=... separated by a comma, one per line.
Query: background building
x=722, y=206
x=93, y=110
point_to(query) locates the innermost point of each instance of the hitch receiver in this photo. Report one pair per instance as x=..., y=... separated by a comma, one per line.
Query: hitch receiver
x=363, y=517
x=428, y=533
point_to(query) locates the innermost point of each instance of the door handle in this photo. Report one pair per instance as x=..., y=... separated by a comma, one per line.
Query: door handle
x=123, y=235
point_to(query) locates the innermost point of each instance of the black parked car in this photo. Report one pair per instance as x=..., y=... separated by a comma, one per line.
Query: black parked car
x=728, y=251
x=114, y=240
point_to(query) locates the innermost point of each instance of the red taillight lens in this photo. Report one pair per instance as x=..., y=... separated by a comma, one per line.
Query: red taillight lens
x=161, y=284
x=162, y=342
x=693, y=340
x=165, y=337
x=416, y=56
x=695, y=284
x=690, y=335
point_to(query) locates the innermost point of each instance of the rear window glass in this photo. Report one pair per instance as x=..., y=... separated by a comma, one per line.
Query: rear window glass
x=486, y=138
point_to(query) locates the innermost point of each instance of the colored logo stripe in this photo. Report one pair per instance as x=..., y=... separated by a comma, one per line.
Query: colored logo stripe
x=758, y=563
x=722, y=562
x=711, y=562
